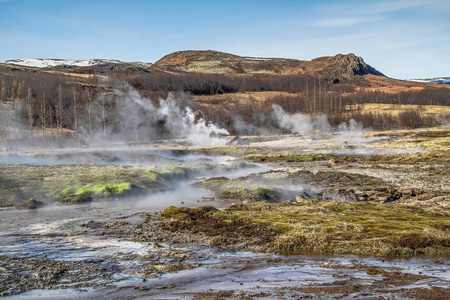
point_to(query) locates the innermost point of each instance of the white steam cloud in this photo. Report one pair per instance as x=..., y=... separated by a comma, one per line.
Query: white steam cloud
x=348, y=134
x=136, y=118
x=300, y=123
x=181, y=122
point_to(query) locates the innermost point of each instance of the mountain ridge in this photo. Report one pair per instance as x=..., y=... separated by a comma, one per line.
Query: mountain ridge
x=338, y=67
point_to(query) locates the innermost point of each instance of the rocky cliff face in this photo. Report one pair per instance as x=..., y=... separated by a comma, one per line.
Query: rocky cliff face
x=351, y=64
x=342, y=67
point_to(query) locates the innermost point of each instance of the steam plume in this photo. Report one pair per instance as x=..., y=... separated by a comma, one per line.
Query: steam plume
x=137, y=118
x=300, y=123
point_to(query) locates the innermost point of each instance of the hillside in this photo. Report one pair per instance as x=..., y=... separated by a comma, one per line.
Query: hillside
x=236, y=93
x=68, y=63
x=333, y=68
x=348, y=68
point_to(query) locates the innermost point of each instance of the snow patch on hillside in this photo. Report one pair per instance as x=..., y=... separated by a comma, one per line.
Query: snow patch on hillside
x=257, y=58
x=47, y=63
x=441, y=80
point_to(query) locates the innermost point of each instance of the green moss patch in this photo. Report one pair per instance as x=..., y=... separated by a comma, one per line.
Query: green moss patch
x=155, y=176
x=214, y=183
x=32, y=203
x=253, y=194
x=192, y=213
x=70, y=195
x=88, y=192
x=174, y=172
x=75, y=183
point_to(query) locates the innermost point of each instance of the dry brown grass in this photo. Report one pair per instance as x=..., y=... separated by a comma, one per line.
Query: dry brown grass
x=77, y=75
x=319, y=227
x=396, y=109
x=393, y=89
x=369, y=107
x=241, y=97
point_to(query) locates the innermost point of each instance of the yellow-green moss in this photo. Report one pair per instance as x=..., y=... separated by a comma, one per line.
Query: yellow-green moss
x=32, y=203
x=155, y=176
x=174, y=172
x=75, y=183
x=87, y=192
x=214, y=183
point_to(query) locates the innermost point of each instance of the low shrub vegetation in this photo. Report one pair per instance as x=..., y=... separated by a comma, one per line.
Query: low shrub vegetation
x=317, y=226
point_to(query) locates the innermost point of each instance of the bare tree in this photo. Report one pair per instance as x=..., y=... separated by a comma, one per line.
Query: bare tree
x=20, y=90
x=43, y=113
x=13, y=92
x=59, y=111
x=2, y=92
x=30, y=111
x=75, y=116
x=87, y=99
x=314, y=97
x=103, y=114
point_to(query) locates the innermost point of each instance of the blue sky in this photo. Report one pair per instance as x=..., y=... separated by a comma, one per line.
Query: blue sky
x=401, y=38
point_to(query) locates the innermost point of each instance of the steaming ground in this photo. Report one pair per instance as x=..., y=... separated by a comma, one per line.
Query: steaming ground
x=93, y=250
x=351, y=142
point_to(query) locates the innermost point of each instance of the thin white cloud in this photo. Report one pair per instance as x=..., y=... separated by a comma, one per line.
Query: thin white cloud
x=364, y=8
x=348, y=21
x=393, y=6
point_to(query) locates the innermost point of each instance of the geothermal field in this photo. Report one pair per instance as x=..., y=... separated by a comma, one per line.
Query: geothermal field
x=320, y=212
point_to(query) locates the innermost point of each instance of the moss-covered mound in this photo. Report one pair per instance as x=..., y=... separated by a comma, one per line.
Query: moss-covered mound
x=214, y=183
x=88, y=192
x=206, y=225
x=253, y=194
x=175, y=172
x=80, y=183
x=318, y=227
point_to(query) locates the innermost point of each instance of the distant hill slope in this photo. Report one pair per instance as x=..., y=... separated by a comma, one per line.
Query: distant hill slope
x=214, y=62
x=340, y=68
x=52, y=63
x=73, y=66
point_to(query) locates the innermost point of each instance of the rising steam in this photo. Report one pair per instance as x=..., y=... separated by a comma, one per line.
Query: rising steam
x=303, y=124
x=348, y=134
x=136, y=118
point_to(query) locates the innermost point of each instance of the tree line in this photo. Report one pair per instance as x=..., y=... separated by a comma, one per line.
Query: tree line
x=52, y=102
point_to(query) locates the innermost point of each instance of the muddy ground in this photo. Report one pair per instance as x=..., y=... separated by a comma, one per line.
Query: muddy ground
x=118, y=246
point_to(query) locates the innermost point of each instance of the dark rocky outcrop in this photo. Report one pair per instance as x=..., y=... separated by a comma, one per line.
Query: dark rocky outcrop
x=340, y=195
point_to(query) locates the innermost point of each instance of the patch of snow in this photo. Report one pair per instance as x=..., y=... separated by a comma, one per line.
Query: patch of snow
x=442, y=80
x=46, y=63
x=417, y=80
x=257, y=58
